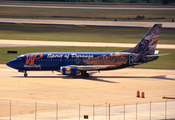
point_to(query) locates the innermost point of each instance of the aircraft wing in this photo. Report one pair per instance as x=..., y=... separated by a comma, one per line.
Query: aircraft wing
x=90, y=67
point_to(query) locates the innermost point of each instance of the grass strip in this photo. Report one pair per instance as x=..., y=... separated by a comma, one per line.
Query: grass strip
x=80, y=33
x=87, y=14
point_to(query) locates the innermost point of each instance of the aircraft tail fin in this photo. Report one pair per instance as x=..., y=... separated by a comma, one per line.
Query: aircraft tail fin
x=147, y=44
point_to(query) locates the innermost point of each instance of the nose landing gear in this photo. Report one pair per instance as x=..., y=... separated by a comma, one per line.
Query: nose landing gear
x=25, y=74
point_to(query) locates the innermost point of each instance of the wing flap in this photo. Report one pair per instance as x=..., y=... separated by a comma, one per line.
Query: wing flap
x=90, y=67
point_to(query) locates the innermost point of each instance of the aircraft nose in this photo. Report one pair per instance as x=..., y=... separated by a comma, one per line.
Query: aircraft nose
x=11, y=63
x=7, y=63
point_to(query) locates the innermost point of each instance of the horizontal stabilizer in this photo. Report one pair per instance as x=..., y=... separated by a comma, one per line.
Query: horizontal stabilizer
x=155, y=55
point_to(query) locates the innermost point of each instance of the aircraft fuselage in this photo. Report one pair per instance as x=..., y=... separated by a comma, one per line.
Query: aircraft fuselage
x=54, y=60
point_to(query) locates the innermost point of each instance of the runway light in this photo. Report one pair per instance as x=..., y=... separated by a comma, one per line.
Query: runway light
x=138, y=93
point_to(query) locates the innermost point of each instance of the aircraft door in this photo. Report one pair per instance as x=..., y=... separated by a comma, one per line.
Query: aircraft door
x=131, y=59
x=77, y=60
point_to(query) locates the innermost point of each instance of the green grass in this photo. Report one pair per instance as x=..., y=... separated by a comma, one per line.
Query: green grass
x=164, y=62
x=87, y=14
x=80, y=34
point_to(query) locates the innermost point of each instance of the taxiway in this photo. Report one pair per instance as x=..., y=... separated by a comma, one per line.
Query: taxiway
x=114, y=87
x=32, y=43
x=86, y=23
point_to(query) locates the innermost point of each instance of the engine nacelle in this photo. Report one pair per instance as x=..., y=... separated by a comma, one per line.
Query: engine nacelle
x=67, y=70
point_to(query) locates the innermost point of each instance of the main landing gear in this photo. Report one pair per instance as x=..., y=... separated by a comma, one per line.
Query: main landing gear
x=84, y=73
x=25, y=73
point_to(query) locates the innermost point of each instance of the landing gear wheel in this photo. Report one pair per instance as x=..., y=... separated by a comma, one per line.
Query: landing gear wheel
x=85, y=74
x=25, y=74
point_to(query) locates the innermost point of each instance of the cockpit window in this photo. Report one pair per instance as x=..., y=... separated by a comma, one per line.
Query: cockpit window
x=18, y=58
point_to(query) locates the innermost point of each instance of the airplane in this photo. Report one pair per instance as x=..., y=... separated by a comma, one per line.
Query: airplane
x=73, y=63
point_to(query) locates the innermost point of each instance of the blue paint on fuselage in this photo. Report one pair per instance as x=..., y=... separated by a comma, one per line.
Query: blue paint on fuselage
x=52, y=60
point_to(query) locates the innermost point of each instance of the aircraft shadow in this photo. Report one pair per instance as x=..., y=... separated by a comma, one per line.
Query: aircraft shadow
x=98, y=78
x=157, y=77
x=93, y=78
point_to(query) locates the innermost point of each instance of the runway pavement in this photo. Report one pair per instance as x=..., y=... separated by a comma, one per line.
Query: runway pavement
x=31, y=43
x=86, y=23
x=103, y=8
x=117, y=87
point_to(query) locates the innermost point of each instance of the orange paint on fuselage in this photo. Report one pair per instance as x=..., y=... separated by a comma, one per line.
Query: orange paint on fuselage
x=30, y=59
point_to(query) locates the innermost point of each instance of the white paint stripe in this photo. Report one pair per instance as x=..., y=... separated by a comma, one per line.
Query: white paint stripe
x=84, y=23
x=26, y=43
x=103, y=8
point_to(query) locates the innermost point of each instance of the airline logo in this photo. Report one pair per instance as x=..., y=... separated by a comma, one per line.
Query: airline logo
x=155, y=39
x=68, y=70
x=31, y=58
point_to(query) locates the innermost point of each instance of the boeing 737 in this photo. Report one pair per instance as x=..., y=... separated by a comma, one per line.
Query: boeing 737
x=73, y=63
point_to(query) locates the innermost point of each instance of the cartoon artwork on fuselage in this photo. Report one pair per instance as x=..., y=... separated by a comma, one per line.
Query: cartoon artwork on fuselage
x=116, y=59
x=148, y=43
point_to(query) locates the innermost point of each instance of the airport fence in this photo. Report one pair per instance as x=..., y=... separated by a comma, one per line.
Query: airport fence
x=11, y=110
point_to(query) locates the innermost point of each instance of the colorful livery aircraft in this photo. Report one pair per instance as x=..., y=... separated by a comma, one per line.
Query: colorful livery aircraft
x=72, y=63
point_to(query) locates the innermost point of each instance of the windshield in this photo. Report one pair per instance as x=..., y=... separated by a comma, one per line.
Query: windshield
x=18, y=58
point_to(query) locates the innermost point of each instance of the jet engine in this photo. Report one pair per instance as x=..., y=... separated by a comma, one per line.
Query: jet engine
x=67, y=70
